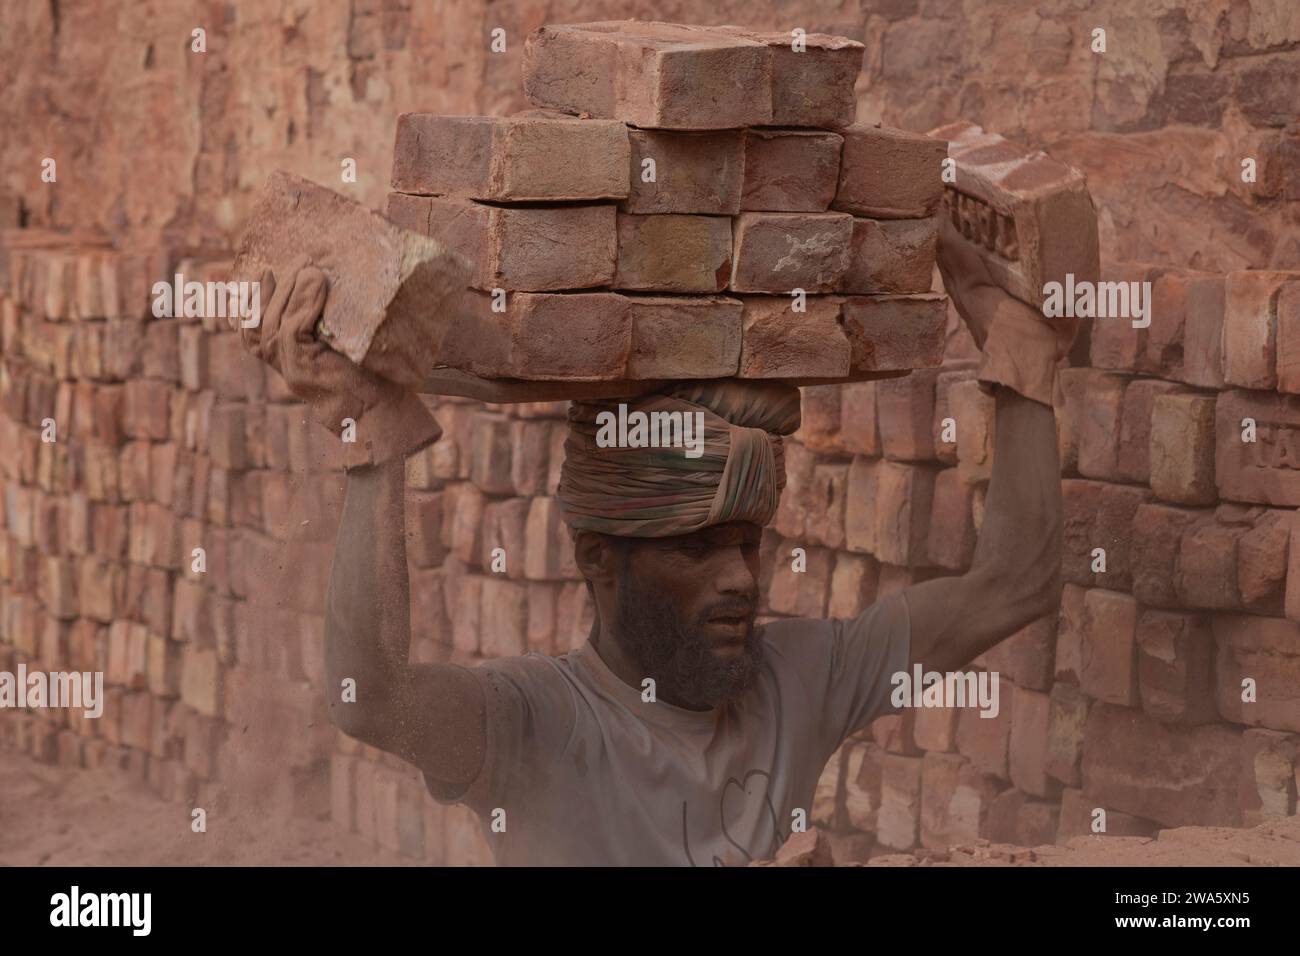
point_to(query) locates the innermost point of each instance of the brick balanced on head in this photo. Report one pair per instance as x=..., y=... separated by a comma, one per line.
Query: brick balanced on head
x=684, y=203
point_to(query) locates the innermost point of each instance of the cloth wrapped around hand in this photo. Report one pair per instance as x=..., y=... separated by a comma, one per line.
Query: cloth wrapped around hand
x=656, y=492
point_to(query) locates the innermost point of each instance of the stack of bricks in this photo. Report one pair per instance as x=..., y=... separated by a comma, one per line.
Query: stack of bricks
x=1167, y=690
x=668, y=206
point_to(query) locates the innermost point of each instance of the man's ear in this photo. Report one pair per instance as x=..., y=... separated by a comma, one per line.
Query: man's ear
x=598, y=556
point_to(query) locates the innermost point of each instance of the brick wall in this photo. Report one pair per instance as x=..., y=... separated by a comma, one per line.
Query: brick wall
x=170, y=439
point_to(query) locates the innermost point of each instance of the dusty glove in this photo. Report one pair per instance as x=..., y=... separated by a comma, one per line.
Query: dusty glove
x=389, y=420
x=1020, y=348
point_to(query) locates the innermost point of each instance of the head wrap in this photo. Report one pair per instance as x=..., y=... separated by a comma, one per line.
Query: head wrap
x=650, y=492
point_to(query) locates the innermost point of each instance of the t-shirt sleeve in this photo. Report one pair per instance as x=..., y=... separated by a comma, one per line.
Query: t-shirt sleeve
x=529, y=719
x=847, y=664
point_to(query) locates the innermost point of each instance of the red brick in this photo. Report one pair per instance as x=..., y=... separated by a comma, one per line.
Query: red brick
x=859, y=418
x=1288, y=337
x=1262, y=563
x=531, y=249
x=1098, y=435
x=1029, y=217
x=781, y=343
x=503, y=620
x=1027, y=656
x=891, y=256
x=1206, y=574
x=1107, y=648
x=984, y=740
x=906, y=414
x=694, y=173
x=790, y=170
x=813, y=86
x=900, y=801
x=1250, y=328
x=1175, y=665
x=951, y=540
x=1270, y=765
x=783, y=251
x=902, y=507
x=652, y=75
x=819, y=419
x=1182, y=448
x=1266, y=650
x=890, y=174
x=1067, y=715
x=1173, y=775
x=672, y=253
x=1203, y=331
x=800, y=593
x=1133, y=460
x=510, y=160
x=1261, y=471
x=573, y=337
x=1113, y=531
x=853, y=585
x=1157, y=539
x=888, y=332
x=679, y=337
x=1028, y=742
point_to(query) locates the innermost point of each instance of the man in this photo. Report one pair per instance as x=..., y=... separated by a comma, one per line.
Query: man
x=680, y=733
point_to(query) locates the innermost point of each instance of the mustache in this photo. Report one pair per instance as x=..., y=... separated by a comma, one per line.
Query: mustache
x=736, y=608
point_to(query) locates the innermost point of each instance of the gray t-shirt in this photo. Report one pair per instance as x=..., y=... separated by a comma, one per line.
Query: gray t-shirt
x=588, y=773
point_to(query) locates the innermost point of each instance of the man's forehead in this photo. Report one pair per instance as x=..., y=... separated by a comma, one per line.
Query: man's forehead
x=720, y=535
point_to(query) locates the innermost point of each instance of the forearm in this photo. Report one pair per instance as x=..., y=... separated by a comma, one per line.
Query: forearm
x=367, y=616
x=1020, y=540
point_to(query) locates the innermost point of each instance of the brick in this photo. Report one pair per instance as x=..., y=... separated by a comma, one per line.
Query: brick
x=1099, y=438
x=529, y=456
x=1157, y=538
x=891, y=256
x=1027, y=656
x=984, y=740
x=906, y=414
x=1288, y=337
x=580, y=337
x=1173, y=775
x=813, y=86
x=790, y=170
x=1262, y=555
x=201, y=680
x=935, y=729
x=672, y=253
x=853, y=585
x=1203, y=320
x=1133, y=459
x=889, y=332
x=942, y=822
x=694, y=173
x=974, y=414
x=902, y=508
x=898, y=820
x=951, y=540
x=825, y=523
x=675, y=337
x=146, y=409
x=1028, y=216
x=1107, y=654
x=1078, y=819
x=859, y=431
x=1250, y=328
x=1262, y=470
x=801, y=593
x=860, y=506
x=783, y=251
x=1027, y=745
x=1014, y=817
x=1206, y=574
x=1266, y=650
x=889, y=174
x=1067, y=715
x=532, y=249
x=510, y=159
x=652, y=75
x=778, y=342
x=1175, y=660
x=1270, y=786
x=819, y=423
x=1113, y=531
x=1182, y=446
x=379, y=274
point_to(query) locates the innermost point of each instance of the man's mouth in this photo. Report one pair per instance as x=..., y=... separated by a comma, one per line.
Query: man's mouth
x=733, y=624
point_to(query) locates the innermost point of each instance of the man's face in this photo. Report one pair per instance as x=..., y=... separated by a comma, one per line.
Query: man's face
x=686, y=607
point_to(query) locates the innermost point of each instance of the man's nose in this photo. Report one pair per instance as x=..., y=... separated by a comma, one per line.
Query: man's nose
x=734, y=574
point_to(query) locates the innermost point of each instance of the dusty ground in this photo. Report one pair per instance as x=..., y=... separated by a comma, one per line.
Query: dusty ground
x=52, y=816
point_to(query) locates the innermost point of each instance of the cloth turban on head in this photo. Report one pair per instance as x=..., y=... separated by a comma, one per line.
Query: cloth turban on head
x=657, y=492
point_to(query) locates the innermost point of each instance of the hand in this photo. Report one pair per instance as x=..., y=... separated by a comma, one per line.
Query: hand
x=388, y=419
x=1021, y=347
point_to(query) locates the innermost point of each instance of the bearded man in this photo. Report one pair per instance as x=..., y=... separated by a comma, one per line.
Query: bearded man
x=680, y=733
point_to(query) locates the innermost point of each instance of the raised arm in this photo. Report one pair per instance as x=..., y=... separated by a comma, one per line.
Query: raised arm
x=431, y=715
x=1015, y=575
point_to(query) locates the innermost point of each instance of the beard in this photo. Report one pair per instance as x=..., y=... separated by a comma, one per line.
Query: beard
x=678, y=655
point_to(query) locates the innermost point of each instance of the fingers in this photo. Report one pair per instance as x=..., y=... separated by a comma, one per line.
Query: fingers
x=252, y=334
x=305, y=305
